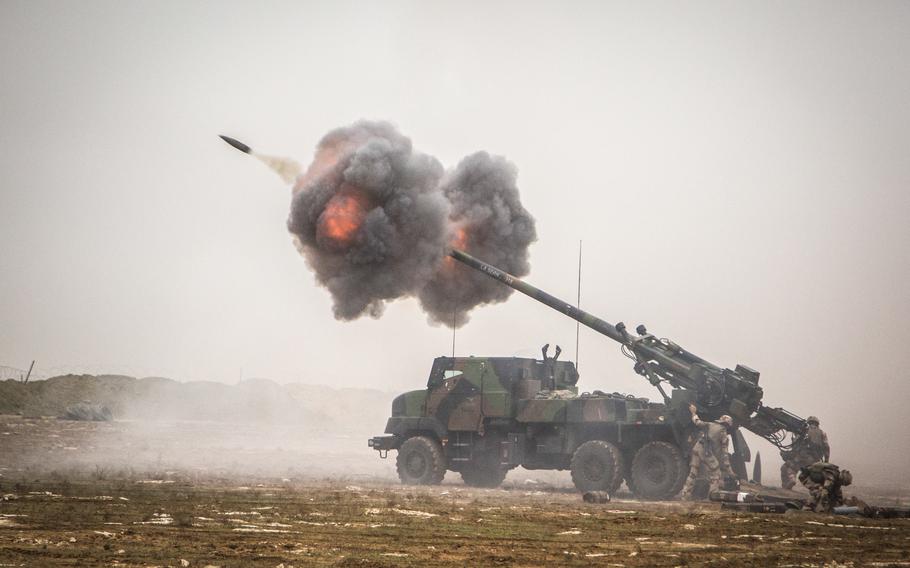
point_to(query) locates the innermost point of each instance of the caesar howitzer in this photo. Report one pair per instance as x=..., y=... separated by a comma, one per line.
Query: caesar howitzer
x=714, y=390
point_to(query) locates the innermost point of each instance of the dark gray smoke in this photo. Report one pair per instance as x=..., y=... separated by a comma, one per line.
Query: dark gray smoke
x=398, y=231
x=491, y=224
x=375, y=220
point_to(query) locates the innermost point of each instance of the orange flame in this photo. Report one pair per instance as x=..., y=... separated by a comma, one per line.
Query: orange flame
x=461, y=239
x=341, y=217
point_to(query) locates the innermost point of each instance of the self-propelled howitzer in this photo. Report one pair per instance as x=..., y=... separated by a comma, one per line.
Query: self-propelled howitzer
x=716, y=390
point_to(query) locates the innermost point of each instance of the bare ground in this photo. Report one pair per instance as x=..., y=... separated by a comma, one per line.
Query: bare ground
x=59, y=512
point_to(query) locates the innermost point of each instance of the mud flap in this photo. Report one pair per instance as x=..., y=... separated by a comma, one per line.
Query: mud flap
x=512, y=450
x=740, y=456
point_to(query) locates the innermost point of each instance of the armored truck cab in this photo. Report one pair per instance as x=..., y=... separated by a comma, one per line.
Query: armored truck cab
x=482, y=416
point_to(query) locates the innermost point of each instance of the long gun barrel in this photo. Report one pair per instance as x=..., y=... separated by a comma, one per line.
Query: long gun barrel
x=568, y=309
x=717, y=390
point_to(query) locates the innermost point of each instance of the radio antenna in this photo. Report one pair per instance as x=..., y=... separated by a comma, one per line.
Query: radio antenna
x=578, y=305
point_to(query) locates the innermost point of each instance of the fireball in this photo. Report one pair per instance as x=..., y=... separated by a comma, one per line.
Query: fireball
x=342, y=217
x=460, y=241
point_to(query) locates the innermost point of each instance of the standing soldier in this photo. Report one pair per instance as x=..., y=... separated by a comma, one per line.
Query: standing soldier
x=710, y=451
x=824, y=481
x=809, y=448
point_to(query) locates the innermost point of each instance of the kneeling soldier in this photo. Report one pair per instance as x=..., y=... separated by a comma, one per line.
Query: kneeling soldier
x=824, y=481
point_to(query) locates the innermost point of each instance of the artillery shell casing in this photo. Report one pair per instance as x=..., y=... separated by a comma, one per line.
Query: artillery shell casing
x=596, y=497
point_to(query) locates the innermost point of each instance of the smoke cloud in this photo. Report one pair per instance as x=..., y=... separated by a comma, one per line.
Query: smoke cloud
x=490, y=223
x=375, y=220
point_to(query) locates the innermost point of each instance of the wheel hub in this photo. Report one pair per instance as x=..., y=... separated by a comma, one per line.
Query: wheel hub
x=417, y=465
x=657, y=470
x=594, y=469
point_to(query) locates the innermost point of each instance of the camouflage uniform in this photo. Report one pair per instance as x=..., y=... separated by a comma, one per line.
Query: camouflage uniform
x=809, y=448
x=709, y=452
x=824, y=481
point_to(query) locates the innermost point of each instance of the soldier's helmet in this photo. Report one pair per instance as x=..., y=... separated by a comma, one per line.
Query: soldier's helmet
x=846, y=478
x=813, y=420
x=726, y=420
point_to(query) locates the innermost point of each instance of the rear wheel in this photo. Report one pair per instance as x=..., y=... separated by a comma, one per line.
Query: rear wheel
x=597, y=466
x=658, y=471
x=420, y=462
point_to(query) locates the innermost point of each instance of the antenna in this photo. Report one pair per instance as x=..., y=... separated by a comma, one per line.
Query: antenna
x=454, y=319
x=578, y=305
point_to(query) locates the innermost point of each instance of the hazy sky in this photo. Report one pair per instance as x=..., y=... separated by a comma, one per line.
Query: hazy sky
x=738, y=173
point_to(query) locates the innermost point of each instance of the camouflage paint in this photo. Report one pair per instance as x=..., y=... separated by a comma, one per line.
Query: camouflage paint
x=411, y=403
x=493, y=408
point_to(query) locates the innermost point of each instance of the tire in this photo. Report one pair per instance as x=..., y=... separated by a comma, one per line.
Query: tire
x=420, y=462
x=480, y=476
x=597, y=466
x=658, y=471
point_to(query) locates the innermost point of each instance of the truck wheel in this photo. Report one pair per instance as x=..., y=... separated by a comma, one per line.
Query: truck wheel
x=420, y=462
x=480, y=476
x=658, y=471
x=597, y=466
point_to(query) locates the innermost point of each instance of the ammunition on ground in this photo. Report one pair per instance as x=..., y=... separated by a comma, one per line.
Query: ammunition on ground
x=761, y=498
x=734, y=497
x=596, y=497
x=755, y=507
x=892, y=512
x=790, y=501
x=873, y=512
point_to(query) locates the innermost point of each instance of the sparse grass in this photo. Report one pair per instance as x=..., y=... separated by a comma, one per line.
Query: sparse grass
x=327, y=525
x=255, y=520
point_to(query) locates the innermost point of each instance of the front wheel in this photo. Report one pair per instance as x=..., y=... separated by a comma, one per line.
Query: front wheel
x=658, y=471
x=597, y=466
x=420, y=462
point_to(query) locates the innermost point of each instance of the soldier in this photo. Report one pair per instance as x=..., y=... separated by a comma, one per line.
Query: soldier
x=710, y=451
x=812, y=446
x=824, y=481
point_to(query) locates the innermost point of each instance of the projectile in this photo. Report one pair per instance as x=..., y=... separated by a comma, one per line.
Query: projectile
x=287, y=168
x=236, y=144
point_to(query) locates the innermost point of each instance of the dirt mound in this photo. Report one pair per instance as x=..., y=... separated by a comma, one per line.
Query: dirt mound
x=53, y=396
x=156, y=398
x=89, y=412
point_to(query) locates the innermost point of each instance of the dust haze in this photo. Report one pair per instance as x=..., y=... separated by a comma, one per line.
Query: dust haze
x=163, y=428
x=166, y=431
x=737, y=174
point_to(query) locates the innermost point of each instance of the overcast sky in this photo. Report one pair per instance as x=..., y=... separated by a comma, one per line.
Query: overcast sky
x=738, y=173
